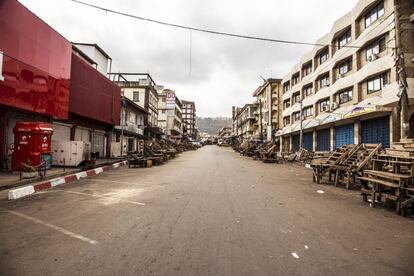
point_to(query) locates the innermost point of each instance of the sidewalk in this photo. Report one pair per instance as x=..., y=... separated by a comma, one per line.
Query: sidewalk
x=47, y=184
x=10, y=180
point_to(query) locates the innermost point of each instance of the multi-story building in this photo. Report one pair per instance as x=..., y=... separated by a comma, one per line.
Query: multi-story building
x=189, y=119
x=224, y=132
x=348, y=91
x=170, y=114
x=130, y=129
x=234, y=112
x=142, y=90
x=245, y=121
x=269, y=111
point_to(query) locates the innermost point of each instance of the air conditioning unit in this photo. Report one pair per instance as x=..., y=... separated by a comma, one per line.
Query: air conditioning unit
x=334, y=106
x=372, y=57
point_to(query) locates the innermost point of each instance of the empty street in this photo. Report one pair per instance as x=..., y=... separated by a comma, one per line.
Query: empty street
x=208, y=212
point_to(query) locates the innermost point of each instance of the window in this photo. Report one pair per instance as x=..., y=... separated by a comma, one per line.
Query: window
x=307, y=90
x=377, y=83
x=324, y=56
x=375, y=13
x=286, y=87
x=345, y=96
x=295, y=79
x=286, y=121
x=296, y=116
x=308, y=111
x=324, y=105
x=324, y=81
x=296, y=97
x=344, y=39
x=307, y=69
x=345, y=67
x=135, y=96
x=375, y=48
x=286, y=104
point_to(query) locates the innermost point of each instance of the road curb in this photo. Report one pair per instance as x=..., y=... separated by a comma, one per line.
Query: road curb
x=51, y=183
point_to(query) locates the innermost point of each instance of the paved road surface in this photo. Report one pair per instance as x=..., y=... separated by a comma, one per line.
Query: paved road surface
x=208, y=212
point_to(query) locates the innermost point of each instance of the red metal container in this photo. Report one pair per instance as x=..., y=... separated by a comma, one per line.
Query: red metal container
x=31, y=141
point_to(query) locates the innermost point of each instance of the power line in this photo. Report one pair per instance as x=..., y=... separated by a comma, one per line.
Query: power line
x=207, y=30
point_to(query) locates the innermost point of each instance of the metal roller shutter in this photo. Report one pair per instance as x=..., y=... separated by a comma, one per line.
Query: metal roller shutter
x=308, y=140
x=286, y=144
x=295, y=143
x=61, y=132
x=82, y=134
x=323, y=139
x=344, y=135
x=376, y=131
x=98, y=143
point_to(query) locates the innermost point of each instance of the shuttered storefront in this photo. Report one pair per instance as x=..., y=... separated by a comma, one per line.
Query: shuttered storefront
x=61, y=132
x=323, y=138
x=375, y=131
x=295, y=143
x=82, y=134
x=98, y=143
x=308, y=140
x=286, y=144
x=344, y=135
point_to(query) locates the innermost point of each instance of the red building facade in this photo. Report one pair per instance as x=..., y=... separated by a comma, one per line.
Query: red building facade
x=35, y=68
x=93, y=95
x=41, y=80
x=36, y=63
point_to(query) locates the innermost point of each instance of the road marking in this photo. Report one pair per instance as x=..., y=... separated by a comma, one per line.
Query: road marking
x=114, y=181
x=54, y=227
x=106, y=197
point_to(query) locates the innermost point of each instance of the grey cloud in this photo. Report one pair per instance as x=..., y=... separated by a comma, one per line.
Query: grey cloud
x=225, y=71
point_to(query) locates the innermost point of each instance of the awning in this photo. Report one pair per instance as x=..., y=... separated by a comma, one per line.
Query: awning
x=370, y=105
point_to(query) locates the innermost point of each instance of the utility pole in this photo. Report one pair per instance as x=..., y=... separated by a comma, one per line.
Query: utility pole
x=401, y=77
x=301, y=130
x=261, y=122
x=123, y=121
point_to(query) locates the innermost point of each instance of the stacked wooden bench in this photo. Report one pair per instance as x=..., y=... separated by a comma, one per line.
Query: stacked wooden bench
x=352, y=166
x=390, y=181
x=322, y=167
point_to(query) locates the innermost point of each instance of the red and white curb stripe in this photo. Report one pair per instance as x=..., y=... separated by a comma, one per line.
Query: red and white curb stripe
x=31, y=189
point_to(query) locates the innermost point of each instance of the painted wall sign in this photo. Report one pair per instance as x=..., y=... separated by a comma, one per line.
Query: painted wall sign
x=359, y=110
x=1, y=66
x=170, y=99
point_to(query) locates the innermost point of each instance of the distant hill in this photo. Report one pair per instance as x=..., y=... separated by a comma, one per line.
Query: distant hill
x=212, y=125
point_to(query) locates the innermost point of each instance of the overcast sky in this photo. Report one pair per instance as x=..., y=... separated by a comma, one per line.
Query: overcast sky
x=224, y=71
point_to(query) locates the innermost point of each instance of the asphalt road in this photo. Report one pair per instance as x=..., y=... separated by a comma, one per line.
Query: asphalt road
x=208, y=212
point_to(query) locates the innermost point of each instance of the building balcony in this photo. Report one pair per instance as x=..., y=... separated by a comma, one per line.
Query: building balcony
x=131, y=128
